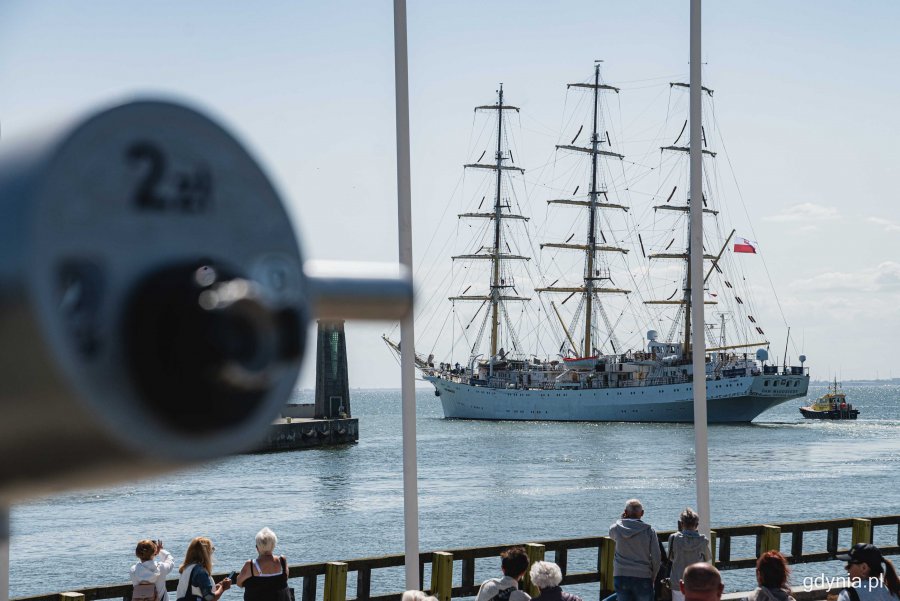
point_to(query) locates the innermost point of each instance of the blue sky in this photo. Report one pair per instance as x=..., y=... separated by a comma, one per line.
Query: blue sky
x=806, y=96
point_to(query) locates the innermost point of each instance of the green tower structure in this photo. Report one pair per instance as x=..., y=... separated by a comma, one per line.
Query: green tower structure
x=332, y=383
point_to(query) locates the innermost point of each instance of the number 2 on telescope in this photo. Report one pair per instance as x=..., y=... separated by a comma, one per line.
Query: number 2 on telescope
x=192, y=190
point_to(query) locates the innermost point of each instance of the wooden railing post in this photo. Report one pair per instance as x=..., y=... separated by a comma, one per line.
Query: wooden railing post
x=797, y=544
x=712, y=546
x=309, y=588
x=71, y=597
x=442, y=575
x=535, y=553
x=605, y=556
x=862, y=531
x=363, y=584
x=561, y=558
x=725, y=549
x=769, y=539
x=335, y=581
x=831, y=543
x=468, y=572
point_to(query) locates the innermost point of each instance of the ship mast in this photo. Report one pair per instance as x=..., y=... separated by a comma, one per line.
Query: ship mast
x=592, y=224
x=495, y=271
x=686, y=255
x=498, y=283
x=591, y=274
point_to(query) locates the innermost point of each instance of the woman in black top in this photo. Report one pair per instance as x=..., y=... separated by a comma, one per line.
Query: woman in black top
x=266, y=577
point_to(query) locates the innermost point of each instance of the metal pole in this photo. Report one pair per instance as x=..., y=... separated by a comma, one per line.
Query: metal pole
x=4, y=553
x=407, y=340
x=701, y=452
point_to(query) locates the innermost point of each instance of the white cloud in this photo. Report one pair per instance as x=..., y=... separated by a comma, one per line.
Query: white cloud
x=805, y=212
x=889, y=226
x=884, y=277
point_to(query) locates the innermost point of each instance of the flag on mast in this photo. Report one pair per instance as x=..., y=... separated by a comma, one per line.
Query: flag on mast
x=742, y=245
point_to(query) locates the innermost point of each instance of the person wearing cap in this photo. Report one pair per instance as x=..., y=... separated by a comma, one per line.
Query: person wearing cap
x=701, y=582
x=872, y=576
x=772, y=573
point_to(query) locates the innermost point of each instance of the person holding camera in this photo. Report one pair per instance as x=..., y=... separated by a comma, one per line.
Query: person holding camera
x=266, y=577
x=154, y=565
x=195, y=582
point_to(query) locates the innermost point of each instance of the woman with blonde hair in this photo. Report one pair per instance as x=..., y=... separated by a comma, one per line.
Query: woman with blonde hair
x=686, y=547
x=195, y=581
x=266, y=577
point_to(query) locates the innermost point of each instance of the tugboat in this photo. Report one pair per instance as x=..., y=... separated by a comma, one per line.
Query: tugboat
x=831, y=405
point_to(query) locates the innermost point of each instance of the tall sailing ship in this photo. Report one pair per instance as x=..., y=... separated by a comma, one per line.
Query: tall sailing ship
x=592, y=375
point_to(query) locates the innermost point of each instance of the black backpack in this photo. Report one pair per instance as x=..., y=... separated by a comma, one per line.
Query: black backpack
x=662, y=584
x=503, y=594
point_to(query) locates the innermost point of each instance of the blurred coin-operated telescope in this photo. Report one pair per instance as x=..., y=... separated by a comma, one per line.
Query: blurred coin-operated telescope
x=154, y=301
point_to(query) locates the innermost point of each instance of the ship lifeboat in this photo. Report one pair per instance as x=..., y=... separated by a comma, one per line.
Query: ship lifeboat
x=580, y=362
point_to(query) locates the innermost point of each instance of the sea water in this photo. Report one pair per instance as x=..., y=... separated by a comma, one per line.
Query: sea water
x=480, y=483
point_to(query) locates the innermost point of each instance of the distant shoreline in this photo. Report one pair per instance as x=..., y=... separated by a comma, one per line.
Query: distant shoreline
x=885, y=381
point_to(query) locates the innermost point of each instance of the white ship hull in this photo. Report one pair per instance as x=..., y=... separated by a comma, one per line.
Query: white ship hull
x=729, y=400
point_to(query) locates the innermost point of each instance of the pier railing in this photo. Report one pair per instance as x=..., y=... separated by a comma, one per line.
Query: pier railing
x=452, y=572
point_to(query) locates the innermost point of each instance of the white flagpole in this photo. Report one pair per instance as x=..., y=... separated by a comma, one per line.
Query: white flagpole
x=4, y=552
x=698, y=344
x=407, y=340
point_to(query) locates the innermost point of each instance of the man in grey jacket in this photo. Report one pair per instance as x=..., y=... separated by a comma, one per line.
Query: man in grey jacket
x=637, y=555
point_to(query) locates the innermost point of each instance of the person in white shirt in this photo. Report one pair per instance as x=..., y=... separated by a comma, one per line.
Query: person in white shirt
x=872, y=576
x=413, y=595
x=154, y=565
x=514, y=564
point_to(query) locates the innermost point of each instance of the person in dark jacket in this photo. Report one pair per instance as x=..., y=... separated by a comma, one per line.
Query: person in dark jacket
x=547, y=576
x=637, y=556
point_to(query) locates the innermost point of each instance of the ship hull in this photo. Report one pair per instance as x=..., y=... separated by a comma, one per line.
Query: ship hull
x=732, y=400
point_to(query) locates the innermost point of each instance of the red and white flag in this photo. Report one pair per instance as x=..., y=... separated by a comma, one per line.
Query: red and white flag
x=742, y=245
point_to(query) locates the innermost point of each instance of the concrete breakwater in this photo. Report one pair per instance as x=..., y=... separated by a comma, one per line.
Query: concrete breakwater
x=290, y=433
x=439, y=576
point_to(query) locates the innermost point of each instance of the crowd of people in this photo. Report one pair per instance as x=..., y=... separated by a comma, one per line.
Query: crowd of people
x=643, y=570
x=264, y=578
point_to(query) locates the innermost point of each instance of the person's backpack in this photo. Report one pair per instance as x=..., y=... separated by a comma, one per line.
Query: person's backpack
x=503, y=594
x=145, y=591
x=662, y=584
x=852, y=593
